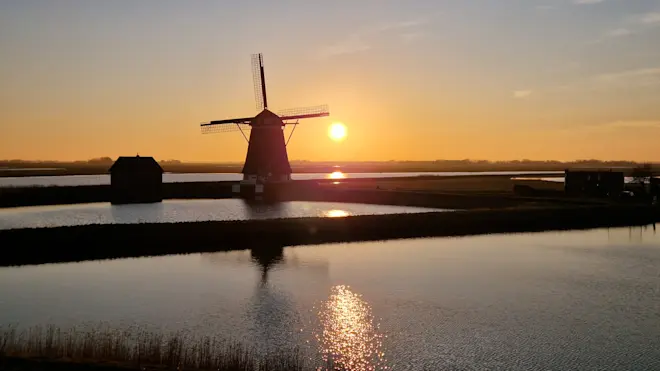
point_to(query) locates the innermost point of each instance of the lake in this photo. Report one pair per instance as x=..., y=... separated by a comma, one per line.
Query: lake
x=77, y=180
x=580, y=300
x=170, y=211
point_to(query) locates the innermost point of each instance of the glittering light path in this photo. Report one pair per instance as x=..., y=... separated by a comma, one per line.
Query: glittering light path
x=348, y=337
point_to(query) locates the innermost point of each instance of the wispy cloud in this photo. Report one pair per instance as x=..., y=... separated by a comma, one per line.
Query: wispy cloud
x=353, y=44
x=521, y=94
x=613, y=126
x=587, y=2
x=411, y=36
x=641, y=76
x=398, y=25
x=619, y=32
x=633, y=124
x=545, y=7
x=632, y=25
x=408, y=31
x=652, y=18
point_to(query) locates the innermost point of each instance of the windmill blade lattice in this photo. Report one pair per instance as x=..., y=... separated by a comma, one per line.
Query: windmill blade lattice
x=259, y=82
x=225, y=128
x=304, y=112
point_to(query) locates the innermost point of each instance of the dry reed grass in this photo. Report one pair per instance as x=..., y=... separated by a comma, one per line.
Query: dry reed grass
x=142, y=349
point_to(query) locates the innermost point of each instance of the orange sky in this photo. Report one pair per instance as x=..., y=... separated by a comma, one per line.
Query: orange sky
x=423, y=80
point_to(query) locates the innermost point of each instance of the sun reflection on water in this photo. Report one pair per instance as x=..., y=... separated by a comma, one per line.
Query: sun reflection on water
x=349, y=339
x=336, y=213
x=337, y=175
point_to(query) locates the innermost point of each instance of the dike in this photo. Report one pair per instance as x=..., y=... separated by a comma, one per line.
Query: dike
x=92, y=242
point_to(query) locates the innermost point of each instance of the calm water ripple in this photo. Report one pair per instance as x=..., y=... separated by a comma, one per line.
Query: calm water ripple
x=584, y=300
x=170, y=211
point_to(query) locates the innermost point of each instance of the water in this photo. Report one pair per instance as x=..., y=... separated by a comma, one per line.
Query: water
x=584, y=300
x=170, y=211
x=76, y=180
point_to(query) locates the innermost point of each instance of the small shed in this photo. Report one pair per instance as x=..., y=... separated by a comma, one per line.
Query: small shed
x=655, y=186
x=136, y=180
x=594, y=182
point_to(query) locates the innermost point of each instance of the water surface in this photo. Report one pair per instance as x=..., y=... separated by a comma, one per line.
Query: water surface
x=170, y=211
x=584, y=300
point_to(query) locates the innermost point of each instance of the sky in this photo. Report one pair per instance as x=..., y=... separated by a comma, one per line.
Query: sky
x=411, y=80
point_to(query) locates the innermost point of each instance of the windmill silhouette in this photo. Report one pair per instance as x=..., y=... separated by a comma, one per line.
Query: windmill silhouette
x=267, y=159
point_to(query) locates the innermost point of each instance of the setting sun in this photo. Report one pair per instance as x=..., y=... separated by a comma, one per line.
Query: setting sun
x=337, y=131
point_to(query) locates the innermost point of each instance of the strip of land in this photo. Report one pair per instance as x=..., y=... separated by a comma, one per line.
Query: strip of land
x=460, y=192
x=92, y=242
x=101, y=166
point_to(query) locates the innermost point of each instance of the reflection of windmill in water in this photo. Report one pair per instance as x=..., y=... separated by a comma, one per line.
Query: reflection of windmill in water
x=268, y=258
x=267, y=159
x=260, y=209
x=271, y=312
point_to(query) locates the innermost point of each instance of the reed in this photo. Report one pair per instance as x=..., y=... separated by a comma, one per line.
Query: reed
x=140, y=350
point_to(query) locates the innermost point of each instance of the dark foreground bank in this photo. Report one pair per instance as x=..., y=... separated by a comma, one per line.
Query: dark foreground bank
x=50, y=348
x=77, y=243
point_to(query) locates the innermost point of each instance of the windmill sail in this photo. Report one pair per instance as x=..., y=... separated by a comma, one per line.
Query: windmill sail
x=304, y=112
x=259, y=82
x=267, y=159
x=226, y=126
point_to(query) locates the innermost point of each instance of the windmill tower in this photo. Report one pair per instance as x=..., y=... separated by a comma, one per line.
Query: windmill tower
x=267, y=159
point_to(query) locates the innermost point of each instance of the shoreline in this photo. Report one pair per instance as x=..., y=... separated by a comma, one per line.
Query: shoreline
x=111, y=241
x=297, y=190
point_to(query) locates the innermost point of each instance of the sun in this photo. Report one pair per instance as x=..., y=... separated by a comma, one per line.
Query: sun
x=337, y=131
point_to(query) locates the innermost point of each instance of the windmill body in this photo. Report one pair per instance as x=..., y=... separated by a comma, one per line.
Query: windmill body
x=267, y=160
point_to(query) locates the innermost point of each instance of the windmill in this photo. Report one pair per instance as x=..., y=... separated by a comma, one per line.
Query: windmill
x=267, y=159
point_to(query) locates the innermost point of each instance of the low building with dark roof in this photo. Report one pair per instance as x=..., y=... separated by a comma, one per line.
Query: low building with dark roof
x=136, y=180
x=594, y=182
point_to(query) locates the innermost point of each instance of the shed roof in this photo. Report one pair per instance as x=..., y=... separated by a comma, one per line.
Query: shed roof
x=135, y=163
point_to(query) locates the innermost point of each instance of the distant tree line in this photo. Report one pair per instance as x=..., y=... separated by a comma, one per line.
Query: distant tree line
x=526, y=162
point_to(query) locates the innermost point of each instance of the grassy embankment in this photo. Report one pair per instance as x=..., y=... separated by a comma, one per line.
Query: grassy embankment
x=444, y=192
x=51, y=349
x=33, y=196
x=91, y=242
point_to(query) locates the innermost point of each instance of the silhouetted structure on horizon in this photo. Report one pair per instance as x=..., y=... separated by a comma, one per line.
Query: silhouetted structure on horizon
x=655, y=189
x=136, y=180
x=267, y=159
x=594, y=182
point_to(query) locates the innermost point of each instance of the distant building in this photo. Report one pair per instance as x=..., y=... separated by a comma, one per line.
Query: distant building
x=594, y=182
x=136, y=180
